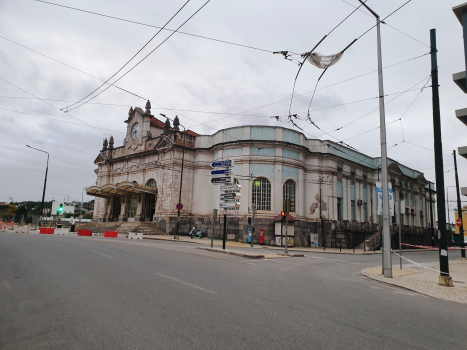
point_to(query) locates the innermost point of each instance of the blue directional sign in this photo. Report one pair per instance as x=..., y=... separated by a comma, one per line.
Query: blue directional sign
x=221, y=172
x=221, y=180
x=222, y=164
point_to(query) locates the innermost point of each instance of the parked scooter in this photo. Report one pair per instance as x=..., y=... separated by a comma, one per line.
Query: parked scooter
x=198, y=234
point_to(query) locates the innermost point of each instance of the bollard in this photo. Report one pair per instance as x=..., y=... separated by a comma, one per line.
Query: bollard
x=340, y=247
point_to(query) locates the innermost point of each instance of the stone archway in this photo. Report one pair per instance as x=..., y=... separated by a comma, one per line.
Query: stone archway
x=149, y=201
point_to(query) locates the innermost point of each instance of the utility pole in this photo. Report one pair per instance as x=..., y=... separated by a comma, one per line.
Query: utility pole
x=431, y=214
x=225, y=228
x=387, y=259
x=81, y=209
x=214, y=217
x=45, y=180
x=444, y=278
x=459, y=210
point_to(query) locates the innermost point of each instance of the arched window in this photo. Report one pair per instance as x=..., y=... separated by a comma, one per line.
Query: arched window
x=289, y=193
x=132, y=205
x=261, y=194
x=151, y=183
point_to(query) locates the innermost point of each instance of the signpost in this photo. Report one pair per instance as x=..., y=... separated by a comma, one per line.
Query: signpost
x=230, y=197
x=221, y=180
x=221, y=172
x=222, y=164
x=233, y=187
x=179, y=206
x=458, y=222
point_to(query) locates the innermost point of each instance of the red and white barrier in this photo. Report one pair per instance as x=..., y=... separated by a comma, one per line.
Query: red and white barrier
x=85, y=233
x=47, y=230
x=431, y=248
x=111, y=234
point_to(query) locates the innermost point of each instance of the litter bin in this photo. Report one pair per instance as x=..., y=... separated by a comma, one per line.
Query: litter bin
x=261, y=236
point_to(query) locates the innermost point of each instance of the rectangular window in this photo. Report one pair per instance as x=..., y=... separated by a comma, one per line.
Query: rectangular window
x=365, y=180
x=339, y=174
x=352, y=210
x=365, y=212
x=402, y=219
x=421, y=218
x=352, y=178
x=339, y=209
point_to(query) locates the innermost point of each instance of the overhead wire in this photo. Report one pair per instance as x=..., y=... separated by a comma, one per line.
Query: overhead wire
x=153, y=26
x=82, y=121
x=127, y=62
x=57, y=120
x=121, y=77
x=48, y=144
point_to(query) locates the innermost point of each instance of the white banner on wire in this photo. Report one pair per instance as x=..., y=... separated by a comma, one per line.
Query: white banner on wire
x=379, y=192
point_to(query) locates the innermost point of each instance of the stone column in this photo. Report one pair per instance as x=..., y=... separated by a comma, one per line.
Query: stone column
x=123, y=209
x=139, y=208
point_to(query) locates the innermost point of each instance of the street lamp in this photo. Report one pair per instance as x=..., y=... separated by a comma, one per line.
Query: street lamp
x=45, y=181
x=387, y=259
x=181, y=173
x=81, y=209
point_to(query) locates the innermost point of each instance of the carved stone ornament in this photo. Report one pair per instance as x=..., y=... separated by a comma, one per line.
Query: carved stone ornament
x=148, y=107
x=176, y=123
x=130, y=112
x=105, y=144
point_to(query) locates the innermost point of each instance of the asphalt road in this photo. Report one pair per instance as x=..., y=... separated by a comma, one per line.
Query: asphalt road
x=70, y=292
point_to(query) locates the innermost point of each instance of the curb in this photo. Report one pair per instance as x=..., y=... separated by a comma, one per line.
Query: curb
x=292, y=255
x=404, y=288
x=233, y=252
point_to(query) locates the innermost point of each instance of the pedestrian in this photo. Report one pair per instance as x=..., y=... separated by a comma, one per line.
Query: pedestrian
x=72, y=224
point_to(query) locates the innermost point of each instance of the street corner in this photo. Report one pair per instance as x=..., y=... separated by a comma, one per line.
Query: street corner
x=377, y=271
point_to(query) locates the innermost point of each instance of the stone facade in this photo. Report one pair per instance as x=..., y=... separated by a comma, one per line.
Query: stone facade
x=331, y=185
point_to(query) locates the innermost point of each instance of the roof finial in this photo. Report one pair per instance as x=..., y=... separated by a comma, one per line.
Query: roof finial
x=167, y=126
x=130, y=112
x=111, y=142
x=176, y=123
x=105, y=144
x=148, y=107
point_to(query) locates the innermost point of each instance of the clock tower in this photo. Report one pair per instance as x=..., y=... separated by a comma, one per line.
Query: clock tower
x=138, y=128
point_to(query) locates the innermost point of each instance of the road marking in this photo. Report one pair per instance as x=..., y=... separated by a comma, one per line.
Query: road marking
x=176, y=250
x=102, y=254
x=339, y=261
x=188, y=284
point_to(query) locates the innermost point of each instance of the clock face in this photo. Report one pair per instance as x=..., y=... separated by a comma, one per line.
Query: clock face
x=135, y=131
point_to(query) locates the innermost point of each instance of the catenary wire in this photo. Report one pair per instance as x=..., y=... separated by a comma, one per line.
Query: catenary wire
x=48, y=144
x=153, y=26
x=93, y=97
x=141, y=49
x=57, y=120
x=50, y=104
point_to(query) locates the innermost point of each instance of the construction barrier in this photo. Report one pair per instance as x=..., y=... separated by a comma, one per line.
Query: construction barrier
x=47, y=230
x=431, y=248
x=22, y=229
x=61, y=231
x=85, y=233
x=111, y=234
x=135, y=235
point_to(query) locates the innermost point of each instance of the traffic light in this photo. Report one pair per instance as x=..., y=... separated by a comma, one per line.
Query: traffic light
x=60, y=210
x=283, y=214
x=287, y=205
x=249, y=221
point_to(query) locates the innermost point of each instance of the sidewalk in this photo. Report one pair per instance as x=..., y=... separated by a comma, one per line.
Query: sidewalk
x=425, y=281
x=218, y=242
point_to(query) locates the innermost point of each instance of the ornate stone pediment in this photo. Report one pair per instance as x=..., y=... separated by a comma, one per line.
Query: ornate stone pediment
x=421, y=180
x=164, y=143
x=99, y=159
x=394, y=168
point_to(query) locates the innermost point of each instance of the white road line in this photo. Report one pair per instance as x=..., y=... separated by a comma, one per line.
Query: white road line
x=102, y=254
x=188, y=284
x=339, y=261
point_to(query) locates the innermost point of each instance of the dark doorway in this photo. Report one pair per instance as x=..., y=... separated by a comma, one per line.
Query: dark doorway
x=116, y=208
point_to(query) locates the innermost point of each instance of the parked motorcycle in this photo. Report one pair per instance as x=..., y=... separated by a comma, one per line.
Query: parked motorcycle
x=198, y=234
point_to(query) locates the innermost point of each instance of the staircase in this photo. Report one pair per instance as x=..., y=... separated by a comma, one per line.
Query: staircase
x=149, y=228
x=374, y=242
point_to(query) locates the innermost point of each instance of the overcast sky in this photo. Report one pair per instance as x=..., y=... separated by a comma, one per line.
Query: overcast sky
x=195, y=74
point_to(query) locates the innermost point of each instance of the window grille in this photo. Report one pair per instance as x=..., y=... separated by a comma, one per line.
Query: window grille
x=132, y=206
x=152, y=183
x=289, y=193
x=261, y=194
x=352, y=210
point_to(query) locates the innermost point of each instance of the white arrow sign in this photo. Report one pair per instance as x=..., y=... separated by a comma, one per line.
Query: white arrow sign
x=233, y=187
x=230, y=196
x=230, y=205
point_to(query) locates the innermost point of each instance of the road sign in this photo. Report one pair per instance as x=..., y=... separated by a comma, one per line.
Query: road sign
x=230, y=204
x=458, y=222
x=222, y=164
x=179, y=206
x=221, y=180
x=233, y=187
x=221, y=172
x=230, y=196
